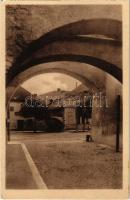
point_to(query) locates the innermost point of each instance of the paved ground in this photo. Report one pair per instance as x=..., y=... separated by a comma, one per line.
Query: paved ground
x=18, y=172
x=64, y=136
x=39, y=136
x=61, y=161
x=77, y=165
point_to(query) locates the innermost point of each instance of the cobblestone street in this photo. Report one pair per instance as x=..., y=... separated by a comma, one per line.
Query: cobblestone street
x=62, y=161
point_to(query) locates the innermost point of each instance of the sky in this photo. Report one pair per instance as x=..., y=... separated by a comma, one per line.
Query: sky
x=48, y=82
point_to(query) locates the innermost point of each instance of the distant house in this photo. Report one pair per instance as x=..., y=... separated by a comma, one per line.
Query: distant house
x=65, y=99
x=17, y=121
x=62, y=109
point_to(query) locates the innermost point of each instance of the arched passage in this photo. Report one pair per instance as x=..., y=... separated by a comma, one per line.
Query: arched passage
x=69, y=43
x=106, y=27
x=76, y=44
x=61, y=67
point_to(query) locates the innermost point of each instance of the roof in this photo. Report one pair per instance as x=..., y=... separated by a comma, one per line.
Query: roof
x=20, y=95
x=80, y=88
x=54, y=94
x=63, y=95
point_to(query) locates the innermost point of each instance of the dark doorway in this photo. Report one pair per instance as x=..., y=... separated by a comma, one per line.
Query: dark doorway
x=20, y=125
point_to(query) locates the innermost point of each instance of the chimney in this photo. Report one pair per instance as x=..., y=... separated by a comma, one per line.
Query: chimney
x=58, y=90
x=34, y=96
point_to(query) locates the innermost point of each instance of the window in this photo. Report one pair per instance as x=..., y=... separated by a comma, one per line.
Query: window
x=11, y=108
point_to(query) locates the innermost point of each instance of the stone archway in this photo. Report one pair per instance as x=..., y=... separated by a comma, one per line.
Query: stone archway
x=55, y=67
x=94, y=45
x=76, y=42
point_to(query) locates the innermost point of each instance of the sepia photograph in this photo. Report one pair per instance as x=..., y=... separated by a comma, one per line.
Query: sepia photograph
x=64, y=104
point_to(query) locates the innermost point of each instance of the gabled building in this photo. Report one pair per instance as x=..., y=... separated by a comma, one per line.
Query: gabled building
x=17, y=121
